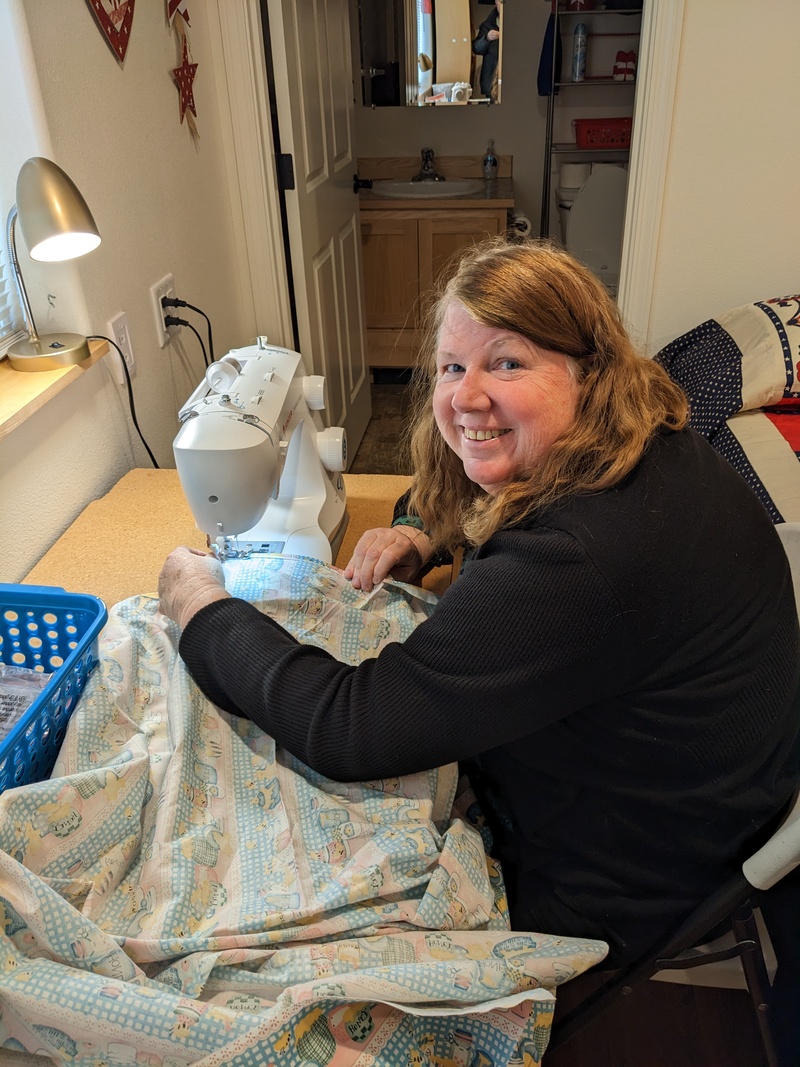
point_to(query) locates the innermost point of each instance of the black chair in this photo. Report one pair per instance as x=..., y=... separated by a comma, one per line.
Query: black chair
x=733, y=909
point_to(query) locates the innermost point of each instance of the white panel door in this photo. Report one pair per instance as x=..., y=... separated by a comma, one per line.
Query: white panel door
x=310, y=42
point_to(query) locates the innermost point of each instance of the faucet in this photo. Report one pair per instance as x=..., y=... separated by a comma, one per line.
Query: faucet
x=427, y=171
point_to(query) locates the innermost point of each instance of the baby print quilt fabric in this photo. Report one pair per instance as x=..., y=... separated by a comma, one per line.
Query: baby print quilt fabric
x=182, y=891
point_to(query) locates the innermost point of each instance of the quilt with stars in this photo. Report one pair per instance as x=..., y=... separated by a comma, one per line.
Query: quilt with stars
x=181, y=891
x=741, y=373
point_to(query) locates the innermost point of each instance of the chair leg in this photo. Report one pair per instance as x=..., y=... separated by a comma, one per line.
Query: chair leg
x=755, y=972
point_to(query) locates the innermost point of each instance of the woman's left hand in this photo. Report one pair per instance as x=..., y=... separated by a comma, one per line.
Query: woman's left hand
x=189, y=580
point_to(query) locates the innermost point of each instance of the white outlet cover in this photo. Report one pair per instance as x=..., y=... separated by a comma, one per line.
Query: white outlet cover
x=119, y=333
x=162, y=288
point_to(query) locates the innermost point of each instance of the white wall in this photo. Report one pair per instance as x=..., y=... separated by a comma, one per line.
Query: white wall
x=729, y=230
x=161, y=204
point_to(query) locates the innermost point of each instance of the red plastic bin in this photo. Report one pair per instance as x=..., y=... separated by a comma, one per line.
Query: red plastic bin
x=603, y=133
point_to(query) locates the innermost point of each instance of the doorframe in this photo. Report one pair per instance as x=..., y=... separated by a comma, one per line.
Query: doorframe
x=240, y=81
x=657, y=76
x=236, y=42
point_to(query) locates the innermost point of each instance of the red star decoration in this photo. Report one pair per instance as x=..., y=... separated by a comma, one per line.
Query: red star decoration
x=184, y=76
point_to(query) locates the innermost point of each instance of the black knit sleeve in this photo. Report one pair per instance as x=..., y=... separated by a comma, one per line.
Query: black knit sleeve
x=402, y=517
x=519, y=641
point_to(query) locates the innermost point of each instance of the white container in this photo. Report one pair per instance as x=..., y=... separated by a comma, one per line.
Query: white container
x=573, y=175
x=579, y=38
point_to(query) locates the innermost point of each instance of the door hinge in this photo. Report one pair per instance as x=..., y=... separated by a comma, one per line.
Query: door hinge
x=285, y=171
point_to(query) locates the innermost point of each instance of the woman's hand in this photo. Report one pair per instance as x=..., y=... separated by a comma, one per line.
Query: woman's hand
x=401, y=552
x=188, y=581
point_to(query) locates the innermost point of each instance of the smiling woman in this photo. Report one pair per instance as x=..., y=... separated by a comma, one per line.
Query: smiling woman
x=500, y=401
x=617, y=685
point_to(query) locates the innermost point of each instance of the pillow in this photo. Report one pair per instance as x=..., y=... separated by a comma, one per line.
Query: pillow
x=744, y=360
x=767, y=334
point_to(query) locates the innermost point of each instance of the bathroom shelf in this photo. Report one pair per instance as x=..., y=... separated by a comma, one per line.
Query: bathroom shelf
x=560, y=95
x=593, y=82
x=570, y=146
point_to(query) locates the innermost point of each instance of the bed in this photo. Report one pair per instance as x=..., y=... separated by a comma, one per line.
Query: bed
x=182, y=892
x=741, y=373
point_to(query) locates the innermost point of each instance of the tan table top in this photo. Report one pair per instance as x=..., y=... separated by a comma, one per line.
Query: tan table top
x=116, y=546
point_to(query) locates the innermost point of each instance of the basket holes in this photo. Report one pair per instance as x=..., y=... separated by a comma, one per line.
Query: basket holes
x=72, y=644
x=56, y=661
x=33, y=626
x=10, y=616
x=18, y=658
x=50, y=618
x=71, y=629
x=35, y=642
x=14, y=631
x=52, y=634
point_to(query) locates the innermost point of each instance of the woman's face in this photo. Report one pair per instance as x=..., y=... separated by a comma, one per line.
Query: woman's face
x=500, y=401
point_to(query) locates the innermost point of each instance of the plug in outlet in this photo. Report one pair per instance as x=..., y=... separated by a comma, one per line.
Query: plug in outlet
x=118, y=332
x=166, y=287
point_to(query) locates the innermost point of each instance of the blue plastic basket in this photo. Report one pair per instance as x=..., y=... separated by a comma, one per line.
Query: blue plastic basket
x=45, y=627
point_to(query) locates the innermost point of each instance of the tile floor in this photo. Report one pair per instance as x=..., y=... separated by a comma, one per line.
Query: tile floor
x=381, y=450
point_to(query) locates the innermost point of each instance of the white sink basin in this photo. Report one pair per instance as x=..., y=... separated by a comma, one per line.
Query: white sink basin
x=398, y=189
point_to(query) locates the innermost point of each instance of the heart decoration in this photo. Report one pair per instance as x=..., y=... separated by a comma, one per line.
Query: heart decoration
x=114, y=17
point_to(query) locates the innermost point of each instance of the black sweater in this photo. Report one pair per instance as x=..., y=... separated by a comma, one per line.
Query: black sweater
x=617, y=675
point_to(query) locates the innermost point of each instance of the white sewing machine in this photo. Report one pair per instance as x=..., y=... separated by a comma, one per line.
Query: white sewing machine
x=259, y=470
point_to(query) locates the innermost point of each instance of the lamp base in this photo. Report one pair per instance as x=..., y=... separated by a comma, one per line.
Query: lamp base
x=53, y=352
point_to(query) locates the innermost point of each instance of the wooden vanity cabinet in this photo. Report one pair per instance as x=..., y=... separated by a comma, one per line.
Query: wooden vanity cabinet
x=404, y=251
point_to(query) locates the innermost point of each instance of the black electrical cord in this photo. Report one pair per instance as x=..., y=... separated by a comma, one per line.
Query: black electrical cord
x=131, y=404
x=173, y=302
x=172, y=320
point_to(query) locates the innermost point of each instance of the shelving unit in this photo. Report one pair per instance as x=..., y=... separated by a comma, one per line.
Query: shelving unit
x=605, y=27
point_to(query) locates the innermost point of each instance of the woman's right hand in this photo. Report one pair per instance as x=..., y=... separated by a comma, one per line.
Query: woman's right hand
x=401, y=552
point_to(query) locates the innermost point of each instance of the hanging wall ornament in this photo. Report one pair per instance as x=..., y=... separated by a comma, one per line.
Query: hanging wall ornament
x=177, y=7
x=184, y=76
x=114, y=17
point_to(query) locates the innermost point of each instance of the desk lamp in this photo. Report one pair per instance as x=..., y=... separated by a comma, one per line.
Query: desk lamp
x=57, y=225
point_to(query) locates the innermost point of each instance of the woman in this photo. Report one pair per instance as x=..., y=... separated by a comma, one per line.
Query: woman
x=615, y=665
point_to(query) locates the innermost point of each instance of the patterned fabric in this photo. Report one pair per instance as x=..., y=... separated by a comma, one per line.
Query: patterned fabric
x=182, y=892
x=744, y=361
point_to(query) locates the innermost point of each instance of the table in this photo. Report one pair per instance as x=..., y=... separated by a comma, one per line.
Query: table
x=116, y=546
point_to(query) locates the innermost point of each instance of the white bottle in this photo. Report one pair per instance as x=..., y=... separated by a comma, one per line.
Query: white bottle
x=579, y=36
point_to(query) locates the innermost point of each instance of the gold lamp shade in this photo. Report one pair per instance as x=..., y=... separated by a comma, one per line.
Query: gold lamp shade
x=57, y=225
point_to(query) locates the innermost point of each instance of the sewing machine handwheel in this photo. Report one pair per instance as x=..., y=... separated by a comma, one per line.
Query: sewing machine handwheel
x=315, y=392
x=332, y=447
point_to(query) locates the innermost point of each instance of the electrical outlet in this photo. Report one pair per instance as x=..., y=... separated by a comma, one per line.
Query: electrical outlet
x=166, y=287
x=118, y=332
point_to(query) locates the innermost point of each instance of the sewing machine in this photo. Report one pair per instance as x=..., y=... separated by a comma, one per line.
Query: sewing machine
x=259, y=470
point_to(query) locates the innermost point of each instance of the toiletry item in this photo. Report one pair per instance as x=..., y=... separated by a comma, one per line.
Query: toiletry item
x=579, y=36
x=490, y=163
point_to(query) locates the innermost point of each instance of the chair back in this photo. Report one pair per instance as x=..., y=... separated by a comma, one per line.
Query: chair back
x=777, y=856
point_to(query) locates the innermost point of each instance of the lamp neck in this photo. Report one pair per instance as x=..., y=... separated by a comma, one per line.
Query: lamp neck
x=16, y=273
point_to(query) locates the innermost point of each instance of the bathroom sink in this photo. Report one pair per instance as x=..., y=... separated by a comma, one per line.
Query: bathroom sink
x=398, y=189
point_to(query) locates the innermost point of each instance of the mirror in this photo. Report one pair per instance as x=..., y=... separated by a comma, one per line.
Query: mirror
x=430, y=53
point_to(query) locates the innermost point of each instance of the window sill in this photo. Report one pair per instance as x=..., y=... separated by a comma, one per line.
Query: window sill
x=23, y=393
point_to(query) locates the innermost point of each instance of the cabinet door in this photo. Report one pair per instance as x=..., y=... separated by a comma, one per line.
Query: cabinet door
x=391, y=284
x=442, y=237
